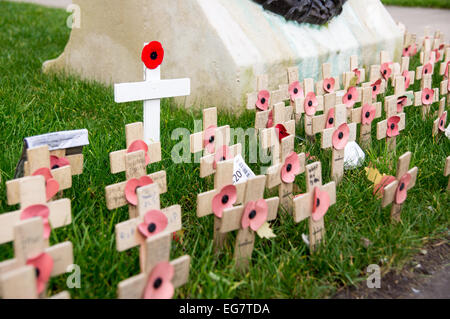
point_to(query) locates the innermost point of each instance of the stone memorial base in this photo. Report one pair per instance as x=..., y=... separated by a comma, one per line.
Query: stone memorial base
x=222, y=45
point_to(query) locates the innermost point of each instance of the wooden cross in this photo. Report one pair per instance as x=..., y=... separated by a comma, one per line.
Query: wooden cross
x=445, y=89
x=441, y=121
x=447, y=171
x=233, y=219
x=29, y=246
x=327, y=119
x=205, y=140
x=283, y=167
x=262, y=83
x=425, y=55
x=223, y=181
x=337, y=138
x=133, y=163
x=278, y=114
x=325, y=86
x=444, y=65
x=154, y=275
x=32, y=195
x=375, y=74
x=75, y=162
x=57, y=179
x=365, y=115
x=395, y=192
x=355, y=71
x=424, y=94
x=134, y=232
x=151, y=91
x=394, y=121
x=304, y=105
x=401, y=97
x=309, y=205
x=408, y=76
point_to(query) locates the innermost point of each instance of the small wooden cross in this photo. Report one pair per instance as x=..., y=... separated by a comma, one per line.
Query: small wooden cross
x=206, y=139
x=426, y=55
x=427, y=96
x=308, y=105
x=401, y=97
x=315, y=203
x=395, y=192
x=150, y=220
x=133, y=161
x=444, y=66
x=365, y=115
x=224, y=195
x=58, y=156
x=235, y=219
x=278, y=114
x=282, y=173
x=30, y=248
x=325, y=86
x=445, y=88
x=57, y=179
x=327, y=119
x=159, y=277
x=337, y=138
x=262, y=84
x=441, y=121
x=409, y=76
x=355, y=71
x=32, y=196
x=392, y=126
x=151, y=91
x=447, y=171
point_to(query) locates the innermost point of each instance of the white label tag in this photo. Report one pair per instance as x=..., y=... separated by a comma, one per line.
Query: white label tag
x=241, y=171
x=59, y=140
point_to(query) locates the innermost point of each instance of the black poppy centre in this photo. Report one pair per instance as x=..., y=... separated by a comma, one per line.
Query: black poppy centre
x=392, y=126
x=310, y=103
x=157, y=283
x=225, y=199
x=350, y=96
x=328, y=86
x=295, y=91
x=252, y=214
x=331, y=120
x=263, y=100
x=151, y=227
x=289, y=167
x=374, y=88
x=211, y=139
x=402, y=186
x=37, y=272
x=55, y=166
x=367, y=114
x=427, y=96
x=340, y=135
x=317, y=202
x=154, y=55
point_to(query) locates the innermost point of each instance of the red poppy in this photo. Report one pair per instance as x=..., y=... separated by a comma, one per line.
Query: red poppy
x=255, y=214
x=222, y=154
x=263, y=100
x=340, y=136
x=43, y=264
x=321, y=204
x=154, y=222
x=401, y=102
x=427, y=69
x=270, y=119
x=358, y=75
x=295, y=91
x=402, y=189
x=427, y=96
x=310, y=104
x=57, y=162
x=159, y=285
x=407, y=79
x=329, y=85
x=225, y=199
x=406, y=51
x=291, y=168
x=281, y=132
x=442, y=121
x=368, y=114
x=139, y=145
x=376, y=88
x=330, y=119
x=385, y=181
x=386, y=71
x=208, y=138
x=51, y=184
x=132, y=186
x=349, y=99
x=38, y=210
x=392, y=126
x=438, y=55
x=152, y=55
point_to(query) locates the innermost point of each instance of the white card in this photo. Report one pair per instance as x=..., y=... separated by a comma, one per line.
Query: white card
x=354, y=156
x=59, y=140
x=241, y=171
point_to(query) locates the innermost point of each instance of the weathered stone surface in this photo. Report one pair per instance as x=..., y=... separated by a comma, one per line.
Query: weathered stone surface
x=221, y=44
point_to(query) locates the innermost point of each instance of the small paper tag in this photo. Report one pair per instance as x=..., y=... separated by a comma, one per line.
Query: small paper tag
x=265, y=231
x=353, y=155
x=59, y=140
x=241, y=171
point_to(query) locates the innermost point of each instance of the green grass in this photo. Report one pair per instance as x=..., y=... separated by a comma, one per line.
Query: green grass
x=34, y=103
x=419, y=3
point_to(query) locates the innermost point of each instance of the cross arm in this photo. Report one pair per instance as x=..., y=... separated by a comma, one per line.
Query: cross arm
x=303, y=204
x=207, y=162
x=204, y=200
x=390, y=190
x=19, y=283
x=118, y=159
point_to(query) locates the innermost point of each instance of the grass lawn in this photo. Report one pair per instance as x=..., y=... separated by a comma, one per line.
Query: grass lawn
x=33, y=103
x=419, y=3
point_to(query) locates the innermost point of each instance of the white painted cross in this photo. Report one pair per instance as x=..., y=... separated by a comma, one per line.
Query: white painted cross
x=151, y=91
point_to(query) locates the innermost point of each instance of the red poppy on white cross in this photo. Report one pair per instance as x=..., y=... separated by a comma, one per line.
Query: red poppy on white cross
x=440, y=123
x=260, y=99
x=447, y=171
x=355, y=76
x=278, y=114
x=315, y=203
x=248, y=218
x=151, y=90
x=328, y=84
x=388, y=69
x=224, y=195
x=27, y=274
x=409, y=76
x=396, y=192
x=427, y=96
x=33, y=203
x=283, y=173
x=160, y=277
x=39, y=163
x=134, y=161
x=402, y=97
x=337, y=138
x=308, y=105
x=327, y=119
x=391, y=127
x=365, y=115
